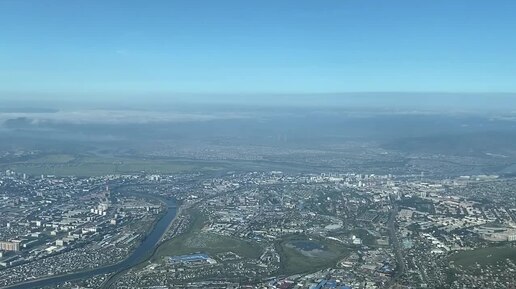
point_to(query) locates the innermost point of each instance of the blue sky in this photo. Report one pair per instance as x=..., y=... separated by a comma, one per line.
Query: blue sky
x=98, y=48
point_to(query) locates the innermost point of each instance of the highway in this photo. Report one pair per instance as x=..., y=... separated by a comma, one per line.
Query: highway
x=395, y=244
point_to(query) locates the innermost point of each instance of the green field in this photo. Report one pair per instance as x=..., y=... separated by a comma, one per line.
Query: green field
x=294, y=261
x=70, y=165
x=193, y=241
x=484, y=257
x=53, y=159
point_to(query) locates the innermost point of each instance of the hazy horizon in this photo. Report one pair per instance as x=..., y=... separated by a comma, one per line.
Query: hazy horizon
x=374, y=101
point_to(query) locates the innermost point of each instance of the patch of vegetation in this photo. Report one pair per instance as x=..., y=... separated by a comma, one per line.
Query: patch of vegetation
x=365, y=236
x=294, y=261
x=85, y=166
x=53, y=159
x=194, y=240
x=492, y=256
x=419, y=204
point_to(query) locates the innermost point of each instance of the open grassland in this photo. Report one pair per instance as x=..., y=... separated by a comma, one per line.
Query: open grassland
x=294, y=260
x=484, y=257
x=194, y=241
x=70, y=165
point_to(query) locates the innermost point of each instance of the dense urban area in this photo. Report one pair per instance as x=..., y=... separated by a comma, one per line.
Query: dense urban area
x=260, y=229
x=267, y=144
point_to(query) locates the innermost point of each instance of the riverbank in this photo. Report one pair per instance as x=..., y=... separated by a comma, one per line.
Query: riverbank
x=144, y=251
x=111, y=280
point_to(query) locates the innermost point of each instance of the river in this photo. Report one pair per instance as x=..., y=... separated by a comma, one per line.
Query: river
x=145, y=249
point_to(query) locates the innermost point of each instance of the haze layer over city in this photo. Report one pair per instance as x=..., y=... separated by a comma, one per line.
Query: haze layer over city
x=257, y=144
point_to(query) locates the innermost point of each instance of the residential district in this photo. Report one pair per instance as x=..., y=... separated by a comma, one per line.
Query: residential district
x=260, y=230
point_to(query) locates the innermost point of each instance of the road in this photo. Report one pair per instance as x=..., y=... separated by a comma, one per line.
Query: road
x=395, y=244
